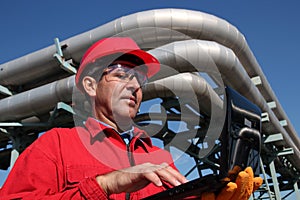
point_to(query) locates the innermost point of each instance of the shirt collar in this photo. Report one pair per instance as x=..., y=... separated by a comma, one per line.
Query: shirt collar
x=96, y=127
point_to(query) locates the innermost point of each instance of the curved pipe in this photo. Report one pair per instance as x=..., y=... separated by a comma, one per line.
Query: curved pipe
x=199, y=55
x=193, y=24
x=186, y=24
x=36, y=101
x=186, y=87
x=195, y=53
x=32, y=102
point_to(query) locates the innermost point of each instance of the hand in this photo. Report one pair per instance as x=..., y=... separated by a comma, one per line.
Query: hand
x=245, y=184
x=137, y=177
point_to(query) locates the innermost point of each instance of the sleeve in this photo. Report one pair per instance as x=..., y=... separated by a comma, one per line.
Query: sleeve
x=37, y=174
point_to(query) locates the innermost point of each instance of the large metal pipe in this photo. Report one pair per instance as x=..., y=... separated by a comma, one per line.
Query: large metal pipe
x=37, y=101
x=187, y=87
x=192, y=24
x=41, y=100
x=200, y=55
x=195, y=53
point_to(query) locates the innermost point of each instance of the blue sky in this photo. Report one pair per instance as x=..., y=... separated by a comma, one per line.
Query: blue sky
x=271, y=28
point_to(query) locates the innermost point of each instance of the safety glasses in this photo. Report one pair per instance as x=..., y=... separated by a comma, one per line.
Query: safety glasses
x=120, y=72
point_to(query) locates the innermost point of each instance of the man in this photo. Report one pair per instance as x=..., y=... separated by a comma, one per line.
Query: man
x=96, y=161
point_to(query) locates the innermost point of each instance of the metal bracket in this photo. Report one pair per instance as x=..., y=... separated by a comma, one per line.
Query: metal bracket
x=272, y=104
x=256, y=80
x=3, y=131
x=60, y=106
x=273, y=138
x=5, y=91
x=286, y=151
x=265, y=117
x=66, y=107
x=59, y=56
x=283, y=122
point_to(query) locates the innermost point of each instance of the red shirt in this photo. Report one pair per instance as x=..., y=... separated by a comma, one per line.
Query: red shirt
x=63, y=163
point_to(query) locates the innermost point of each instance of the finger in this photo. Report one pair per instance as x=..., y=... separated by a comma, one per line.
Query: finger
x=168, y=175
x=241, y=182
x=208, y=196
x=232, y=174
x=178, y=176
x=227, y=192
x=257, y=182
x=249, y=186
x=158, y=173
x=236, y=169
x=144, y=171
x=154, y=178
x=163, y=172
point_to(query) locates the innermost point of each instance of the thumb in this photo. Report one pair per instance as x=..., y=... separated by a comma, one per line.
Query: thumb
x=257, y=182
x=227, y=192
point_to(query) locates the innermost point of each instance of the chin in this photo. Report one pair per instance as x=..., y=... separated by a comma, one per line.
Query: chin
x=124, y=117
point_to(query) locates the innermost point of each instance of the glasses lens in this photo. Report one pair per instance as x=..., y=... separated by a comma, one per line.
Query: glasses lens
x=118, y=72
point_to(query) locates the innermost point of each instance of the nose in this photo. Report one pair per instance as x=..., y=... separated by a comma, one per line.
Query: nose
x=133, y=84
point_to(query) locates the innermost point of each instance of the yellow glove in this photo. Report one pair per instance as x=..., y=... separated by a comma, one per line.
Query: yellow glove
x=245, y=184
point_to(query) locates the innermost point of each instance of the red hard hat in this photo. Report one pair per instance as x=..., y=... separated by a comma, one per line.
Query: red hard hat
x=116, y=45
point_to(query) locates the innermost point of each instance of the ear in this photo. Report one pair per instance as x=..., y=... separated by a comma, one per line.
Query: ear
x=90, y=85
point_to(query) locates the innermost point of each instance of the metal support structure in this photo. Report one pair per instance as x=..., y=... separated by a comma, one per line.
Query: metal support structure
x=296, y=190
x=265, y=178
x=27, y=69
x=273, y=138
x=64, y=106
x=275, y=180
x=286, y=151
x=256, y=80
x=5, y=91
x=270, y=139
x=59, y=56
x=13, y=157
x=283, y=123
x=270, y=160
x=21, y=140
x=272, y=104
x=265, y=117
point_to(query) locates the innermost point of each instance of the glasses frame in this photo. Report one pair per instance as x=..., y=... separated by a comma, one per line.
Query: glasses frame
x=125, y=74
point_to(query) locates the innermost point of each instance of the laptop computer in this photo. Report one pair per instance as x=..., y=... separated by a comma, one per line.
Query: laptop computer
x=240, y=145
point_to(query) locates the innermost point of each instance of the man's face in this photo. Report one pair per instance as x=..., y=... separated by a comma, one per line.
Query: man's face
x=117, y=99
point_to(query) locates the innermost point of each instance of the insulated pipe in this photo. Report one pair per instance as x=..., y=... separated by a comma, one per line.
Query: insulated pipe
x=192, y=24
x=195, y=52
x=189, y=24
x=223, y=59
x=199, y=55
x=36, y=101
x=30, y=67
x=32, y=102
x=186, y=87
